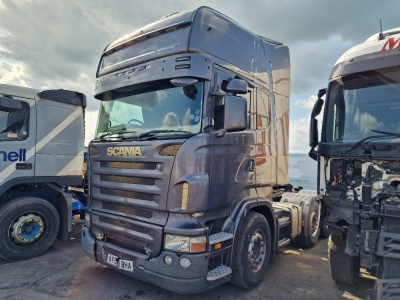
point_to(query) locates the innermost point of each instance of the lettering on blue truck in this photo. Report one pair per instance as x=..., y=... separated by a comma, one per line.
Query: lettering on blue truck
x=13, y=156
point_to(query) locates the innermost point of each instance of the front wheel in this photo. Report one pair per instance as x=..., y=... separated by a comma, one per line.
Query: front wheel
x=252, y=251
x=28, y=227
x=344, y=268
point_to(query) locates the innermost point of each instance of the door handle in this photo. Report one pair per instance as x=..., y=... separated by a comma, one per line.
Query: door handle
x=251, y=165
x=23, y=166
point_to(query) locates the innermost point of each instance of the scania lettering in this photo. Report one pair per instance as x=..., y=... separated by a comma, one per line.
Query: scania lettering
x=124, y=151
x=19, y=155
x=359, y=163
x=41, y=150
x=188, y=172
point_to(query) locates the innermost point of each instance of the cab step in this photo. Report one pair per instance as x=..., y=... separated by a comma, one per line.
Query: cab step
x=218, y=273
x=284, y=222
x=220, y=237
x=283, y=242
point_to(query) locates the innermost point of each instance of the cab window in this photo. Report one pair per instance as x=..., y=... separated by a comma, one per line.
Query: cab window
x=14, y=125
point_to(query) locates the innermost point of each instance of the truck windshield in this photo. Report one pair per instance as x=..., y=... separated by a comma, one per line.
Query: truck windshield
x=157, y=109
x=362, y=102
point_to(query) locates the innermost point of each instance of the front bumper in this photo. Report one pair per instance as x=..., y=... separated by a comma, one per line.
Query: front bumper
x=154, y=270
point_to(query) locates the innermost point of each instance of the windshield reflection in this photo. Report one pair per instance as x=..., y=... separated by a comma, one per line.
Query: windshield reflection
x=361, y=103
x=160, y=108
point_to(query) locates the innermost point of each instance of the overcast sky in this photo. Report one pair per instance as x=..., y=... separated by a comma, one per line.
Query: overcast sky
x=57, y=44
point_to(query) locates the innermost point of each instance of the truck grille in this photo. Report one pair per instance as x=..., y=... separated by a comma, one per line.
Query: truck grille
x=147, y=214
x=129, y=196
x=126, y=179
x=389, y=240
x=127, y=165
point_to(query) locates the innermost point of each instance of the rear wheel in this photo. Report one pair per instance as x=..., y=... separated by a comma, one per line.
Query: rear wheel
x=323, y=233
x=344, y=268
x=28, y=227
x=309, y=235
x=252, y=251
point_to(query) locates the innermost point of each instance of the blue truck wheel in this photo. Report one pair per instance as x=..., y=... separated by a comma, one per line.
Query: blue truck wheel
x=28, y=227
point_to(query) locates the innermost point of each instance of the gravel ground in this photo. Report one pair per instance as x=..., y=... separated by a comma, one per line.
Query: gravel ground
x=63, y=272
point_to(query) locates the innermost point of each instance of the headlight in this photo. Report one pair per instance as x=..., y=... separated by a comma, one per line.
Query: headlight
x=188, y=244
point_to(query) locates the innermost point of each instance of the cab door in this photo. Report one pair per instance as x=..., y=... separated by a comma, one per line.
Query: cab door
x=17, y=140
x=233, y=157
x=266, y=140
x=60, y=139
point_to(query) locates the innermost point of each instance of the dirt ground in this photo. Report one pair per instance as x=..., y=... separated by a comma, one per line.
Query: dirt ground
x=63, y=272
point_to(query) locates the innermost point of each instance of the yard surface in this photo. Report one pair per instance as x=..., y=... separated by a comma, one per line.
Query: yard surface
x=63, y=272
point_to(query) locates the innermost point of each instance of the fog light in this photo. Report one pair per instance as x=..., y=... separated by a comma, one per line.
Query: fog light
x=185, y=263
x=168, y=260
x=87, y=218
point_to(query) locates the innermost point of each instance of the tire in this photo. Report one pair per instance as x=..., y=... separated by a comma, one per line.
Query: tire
x=28, y=227
x=323, y=232
x=252, y=251
x=344, y=268
x=309, y=235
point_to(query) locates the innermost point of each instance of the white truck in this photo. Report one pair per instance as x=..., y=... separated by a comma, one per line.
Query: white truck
x=41, y=150
x=359, y=162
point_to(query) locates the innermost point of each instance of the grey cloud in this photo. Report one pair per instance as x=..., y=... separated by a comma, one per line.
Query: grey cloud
x=54, y=39
x=58, y=43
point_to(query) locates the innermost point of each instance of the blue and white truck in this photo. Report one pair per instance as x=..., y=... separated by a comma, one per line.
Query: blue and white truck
x=41, y=150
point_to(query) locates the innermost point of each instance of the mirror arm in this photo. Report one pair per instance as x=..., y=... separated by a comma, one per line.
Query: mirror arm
x=217, y=93
x=220, y=132
x=313, y=154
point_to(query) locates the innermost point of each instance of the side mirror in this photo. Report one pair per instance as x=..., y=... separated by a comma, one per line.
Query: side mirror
x=237, y=86
x=235, y=117
x=10, y=104
x=313, y=132
x=318, y=104
x=313, y=138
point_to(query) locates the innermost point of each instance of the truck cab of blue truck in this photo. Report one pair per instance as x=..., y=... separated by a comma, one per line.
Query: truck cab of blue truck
x=41, y=151
x=188, y=171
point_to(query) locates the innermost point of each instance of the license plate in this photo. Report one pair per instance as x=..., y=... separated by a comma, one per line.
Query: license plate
x=122, y=264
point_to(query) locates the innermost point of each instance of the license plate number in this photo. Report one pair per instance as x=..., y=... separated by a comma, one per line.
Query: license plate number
x=122, y=264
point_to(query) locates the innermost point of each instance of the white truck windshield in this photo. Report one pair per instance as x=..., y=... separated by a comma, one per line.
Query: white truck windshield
x=161, y=108
x=362, y=102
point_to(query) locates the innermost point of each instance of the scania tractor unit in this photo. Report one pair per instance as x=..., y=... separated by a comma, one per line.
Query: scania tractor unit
x=41, y=151
x=188, y=171
x=359, y=162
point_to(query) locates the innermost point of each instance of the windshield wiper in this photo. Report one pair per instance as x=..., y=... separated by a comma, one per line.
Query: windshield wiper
x=396, y=134
x=154, y=132
x=385, y=134
x=119, y=132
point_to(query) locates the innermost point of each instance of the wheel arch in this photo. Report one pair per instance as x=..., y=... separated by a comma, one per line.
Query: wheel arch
x=253, y=248
x=49, y=192
x=263, y=207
